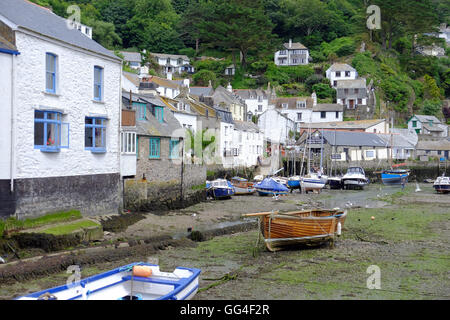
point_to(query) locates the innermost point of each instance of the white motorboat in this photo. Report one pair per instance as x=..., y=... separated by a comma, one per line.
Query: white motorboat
x=442, y=184
x=355, y=178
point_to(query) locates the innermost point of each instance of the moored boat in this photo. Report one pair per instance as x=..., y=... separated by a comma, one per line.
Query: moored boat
x=270, y=187
x=335, y=182
x=312, y=182
x=355, y=178
x=299, y=227
x=395, y=177
x=242, y=186
x=220, y=189
x=294, y=182
x=442, y=184
x=136, y=281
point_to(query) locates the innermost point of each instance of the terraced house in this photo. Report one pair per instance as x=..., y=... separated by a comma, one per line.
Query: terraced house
x=62, y=115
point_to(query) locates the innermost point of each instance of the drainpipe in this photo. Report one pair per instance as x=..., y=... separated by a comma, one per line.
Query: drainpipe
x=12, y=155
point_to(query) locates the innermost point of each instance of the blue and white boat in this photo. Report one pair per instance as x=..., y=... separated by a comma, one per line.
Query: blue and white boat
x=395, y=177
x=294, y=182
x=442, y=184
x=270, y=187
x=312, y=182
x=220, y=189
x=126, y=283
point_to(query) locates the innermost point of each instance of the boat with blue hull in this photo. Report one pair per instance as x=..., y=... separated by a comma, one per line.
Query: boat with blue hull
x=294, y=182
x=270, y=187
x=136, y=281
x=395, y=177
x=219, y=189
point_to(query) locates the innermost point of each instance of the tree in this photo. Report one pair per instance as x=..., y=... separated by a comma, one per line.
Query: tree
x=240, y=25
x=202, y=78
x=104, y=33
x=430, y=89
x=431, y=107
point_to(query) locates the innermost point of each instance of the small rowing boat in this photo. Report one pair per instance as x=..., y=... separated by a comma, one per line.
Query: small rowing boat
x=242, y=186
x=136, y=281
x=299, y=227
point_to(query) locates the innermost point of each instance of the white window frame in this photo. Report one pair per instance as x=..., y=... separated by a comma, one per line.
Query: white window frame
x=128, y=142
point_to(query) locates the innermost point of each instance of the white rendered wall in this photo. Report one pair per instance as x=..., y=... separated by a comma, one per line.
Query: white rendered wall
x=186, y=120
x=252, y=105
x=332, y=76
x=5, y=115
x=75, y=97
x=330, y=116
x=275, y=126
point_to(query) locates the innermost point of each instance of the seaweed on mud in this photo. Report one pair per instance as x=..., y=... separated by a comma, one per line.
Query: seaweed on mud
x=121, y=222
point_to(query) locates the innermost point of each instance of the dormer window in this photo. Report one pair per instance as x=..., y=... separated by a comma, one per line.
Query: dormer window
x=430, y=122
x=301, y=104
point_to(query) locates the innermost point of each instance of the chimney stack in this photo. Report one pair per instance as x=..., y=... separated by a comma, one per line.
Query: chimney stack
x=169, y=75
x=314, y=98
x=290, y=43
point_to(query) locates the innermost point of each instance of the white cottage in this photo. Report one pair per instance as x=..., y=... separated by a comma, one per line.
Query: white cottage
x=340, y=71
x=292, y=54
x=248, y=143
x=64, y=113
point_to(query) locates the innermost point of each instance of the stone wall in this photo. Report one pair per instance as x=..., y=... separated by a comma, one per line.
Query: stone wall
x=163, y=183
x=90, y=194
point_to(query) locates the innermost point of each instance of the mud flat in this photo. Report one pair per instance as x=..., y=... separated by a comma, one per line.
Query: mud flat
x=408, y=241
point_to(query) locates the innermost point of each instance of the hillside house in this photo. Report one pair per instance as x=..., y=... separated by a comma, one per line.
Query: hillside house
x=173, y=63
x=292, y=54
x=352, y=93
x=428, y=125
x=340, y=71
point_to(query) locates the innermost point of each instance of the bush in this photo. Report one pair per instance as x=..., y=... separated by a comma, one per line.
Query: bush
x=202, y=78
x=341, y=47
x=190, y=52
x=432, y=107
x=323, y=91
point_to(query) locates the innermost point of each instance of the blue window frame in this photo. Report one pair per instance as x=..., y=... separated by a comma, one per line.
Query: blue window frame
x=50, y=133
x=154, y=148
x=174, y=152
x=141, y=109
x=50, y=72
x=95, y=134
x=159, y=114
x=98, y=83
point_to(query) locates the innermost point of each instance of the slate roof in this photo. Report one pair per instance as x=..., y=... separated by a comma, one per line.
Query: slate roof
x=29, y=16
x=409, y=135
x=351, y=84
x=132, y=56
x=354, y=139
x=341, y=67
x=171, y=56
x=248, y=94
x=222, y=95
x=347, y=125
x=201, y=91
x=328, y=107
x=246, y=126
x=292, y=102
x=398, y=141
x=295, y=46
x=443, y=145
x=425, y=118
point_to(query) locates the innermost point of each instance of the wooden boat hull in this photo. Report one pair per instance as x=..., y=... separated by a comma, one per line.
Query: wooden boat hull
x=303, y=227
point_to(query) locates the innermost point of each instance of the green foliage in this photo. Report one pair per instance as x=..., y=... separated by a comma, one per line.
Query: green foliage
x=341, y=47
x=202, y=78
x=430, y=89
x=323, y=91
x=432, y=107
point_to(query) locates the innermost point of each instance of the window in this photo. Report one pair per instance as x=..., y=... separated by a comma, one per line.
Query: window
x=174, y=152
x=299, y=116
x=50, y=133
x=370, y=153
x=260, y=108
x=359, y=101
x=95, y=134
x=337, y=114
x=294, y=60
x=50, y=72
x=141, y=109
x=284, y=105
x=283, y=52
x=338, y=74
x=98, y=83
x=128, y=142
x=414, y=123
x=346, y=91
x=301, y=104
x=356, y=90
x=323, y=114
x=154, y=148
x=159, y=114
x=260, y=98
x=334, y=83
x=347, y=74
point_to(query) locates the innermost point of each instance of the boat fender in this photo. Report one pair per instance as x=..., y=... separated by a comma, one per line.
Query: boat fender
x=339, y=229
x=142, y=271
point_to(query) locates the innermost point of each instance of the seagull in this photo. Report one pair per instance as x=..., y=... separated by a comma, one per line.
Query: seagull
x=275, y=196
x=2, y=260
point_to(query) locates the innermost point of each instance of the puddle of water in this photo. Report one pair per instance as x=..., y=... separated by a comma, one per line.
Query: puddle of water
x=366, y=198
